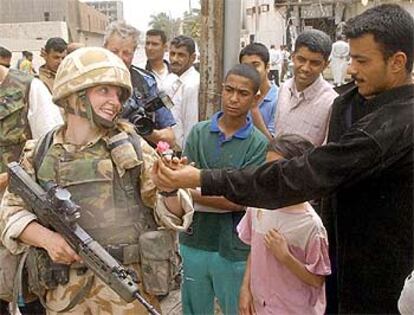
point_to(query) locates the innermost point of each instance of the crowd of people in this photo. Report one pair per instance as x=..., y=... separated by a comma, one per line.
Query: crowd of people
x=294, y=198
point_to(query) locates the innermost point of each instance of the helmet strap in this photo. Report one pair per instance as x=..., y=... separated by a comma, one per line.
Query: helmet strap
x=91, y=115
x=68, y=107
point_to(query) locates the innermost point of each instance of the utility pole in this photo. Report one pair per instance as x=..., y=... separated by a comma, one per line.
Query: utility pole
x=211, y=57
x=219, y=50
x=232, y=28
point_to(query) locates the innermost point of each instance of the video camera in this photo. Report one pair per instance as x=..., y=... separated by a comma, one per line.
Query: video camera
x=143, y=116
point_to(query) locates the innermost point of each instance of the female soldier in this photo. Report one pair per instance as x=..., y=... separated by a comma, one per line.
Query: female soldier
x=96, y=157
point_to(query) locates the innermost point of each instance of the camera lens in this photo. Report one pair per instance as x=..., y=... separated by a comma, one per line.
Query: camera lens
x=144, y=125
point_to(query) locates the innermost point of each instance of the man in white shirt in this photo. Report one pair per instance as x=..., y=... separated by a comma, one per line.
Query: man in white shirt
x=155, y=48
x=305, y=101
x=182, y=56
x=339, y=60
x=275, y=64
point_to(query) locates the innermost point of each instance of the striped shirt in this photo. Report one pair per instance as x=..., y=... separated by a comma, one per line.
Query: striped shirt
x=307, y=112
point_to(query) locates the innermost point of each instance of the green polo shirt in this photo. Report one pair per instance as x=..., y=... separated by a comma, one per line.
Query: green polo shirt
x=208, y=148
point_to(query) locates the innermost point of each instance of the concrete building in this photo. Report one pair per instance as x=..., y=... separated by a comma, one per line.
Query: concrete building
x=113, y=9
x=30, y=36
x=280, y=21
x=28, y=24
x=262, y=22
x=84, y=23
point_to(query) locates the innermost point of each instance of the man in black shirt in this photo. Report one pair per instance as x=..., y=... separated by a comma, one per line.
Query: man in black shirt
x=366, y=168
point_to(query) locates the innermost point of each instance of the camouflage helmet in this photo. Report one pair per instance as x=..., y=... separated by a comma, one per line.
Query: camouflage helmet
x=87, y=67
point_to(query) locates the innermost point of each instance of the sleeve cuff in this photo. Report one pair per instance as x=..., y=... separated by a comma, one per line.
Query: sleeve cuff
x=169, y=219
x=14, y=227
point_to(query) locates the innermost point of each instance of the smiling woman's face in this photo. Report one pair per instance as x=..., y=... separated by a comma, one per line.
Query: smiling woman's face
x=105, y=100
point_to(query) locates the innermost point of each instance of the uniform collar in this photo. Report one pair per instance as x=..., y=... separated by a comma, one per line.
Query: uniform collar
x=60, y=139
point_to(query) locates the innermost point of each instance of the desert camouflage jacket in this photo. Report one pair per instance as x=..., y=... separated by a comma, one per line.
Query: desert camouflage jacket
x=88, y=172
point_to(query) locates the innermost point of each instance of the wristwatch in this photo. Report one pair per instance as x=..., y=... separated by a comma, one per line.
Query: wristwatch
x=168, y=193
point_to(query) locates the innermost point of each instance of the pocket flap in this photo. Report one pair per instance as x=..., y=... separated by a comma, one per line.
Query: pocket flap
x=156, y=245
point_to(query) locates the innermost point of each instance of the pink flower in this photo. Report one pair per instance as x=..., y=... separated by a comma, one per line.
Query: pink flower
x=162, y=147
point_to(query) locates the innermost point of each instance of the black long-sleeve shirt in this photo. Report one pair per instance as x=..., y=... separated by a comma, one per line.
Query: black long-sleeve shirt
x=370, y=169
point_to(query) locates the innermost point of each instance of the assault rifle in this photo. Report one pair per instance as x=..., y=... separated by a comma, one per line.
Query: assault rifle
x=55, y=208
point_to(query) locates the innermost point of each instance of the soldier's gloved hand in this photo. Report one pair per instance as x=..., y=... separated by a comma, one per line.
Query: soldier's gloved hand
x=60, y=251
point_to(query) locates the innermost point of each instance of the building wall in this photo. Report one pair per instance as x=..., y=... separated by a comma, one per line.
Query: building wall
x=84, y=23
x=269, y=27
x=114, y=10
x=267, y=23
x=13, y=11
x=30, y=36
x=34, y=30
x=358, y=8
x=91, y=20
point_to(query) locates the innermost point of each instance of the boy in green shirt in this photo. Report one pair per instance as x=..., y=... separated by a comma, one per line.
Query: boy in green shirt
x=214, y=258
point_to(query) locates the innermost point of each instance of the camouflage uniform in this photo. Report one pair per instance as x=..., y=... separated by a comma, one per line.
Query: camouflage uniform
x=94, y=179
x=100, y=299
x=14, y=127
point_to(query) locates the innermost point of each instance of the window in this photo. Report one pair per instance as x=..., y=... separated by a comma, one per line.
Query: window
x=46, y=16
x=264, y=8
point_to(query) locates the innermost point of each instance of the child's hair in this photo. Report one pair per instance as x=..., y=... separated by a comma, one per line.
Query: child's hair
x=289, y=145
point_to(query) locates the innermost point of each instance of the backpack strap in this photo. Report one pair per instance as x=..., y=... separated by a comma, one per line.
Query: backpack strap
x=42, y=147
x=130, y=183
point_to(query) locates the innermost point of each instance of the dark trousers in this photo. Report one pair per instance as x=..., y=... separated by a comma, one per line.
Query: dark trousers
x=274, y=76
x=32, y=308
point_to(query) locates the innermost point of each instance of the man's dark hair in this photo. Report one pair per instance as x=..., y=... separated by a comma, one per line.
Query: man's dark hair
x=248, y=72
x=184, y=41
x=257, y=49
x=289, y=145
x=56, y=44
x=5, y=53
x=316, y=41
x=391, y=26
x=159, y=33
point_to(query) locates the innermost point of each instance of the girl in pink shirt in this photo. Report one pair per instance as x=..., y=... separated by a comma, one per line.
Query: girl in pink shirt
x=288, y=262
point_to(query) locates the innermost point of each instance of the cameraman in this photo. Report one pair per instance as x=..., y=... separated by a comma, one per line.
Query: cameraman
x=122, y=40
